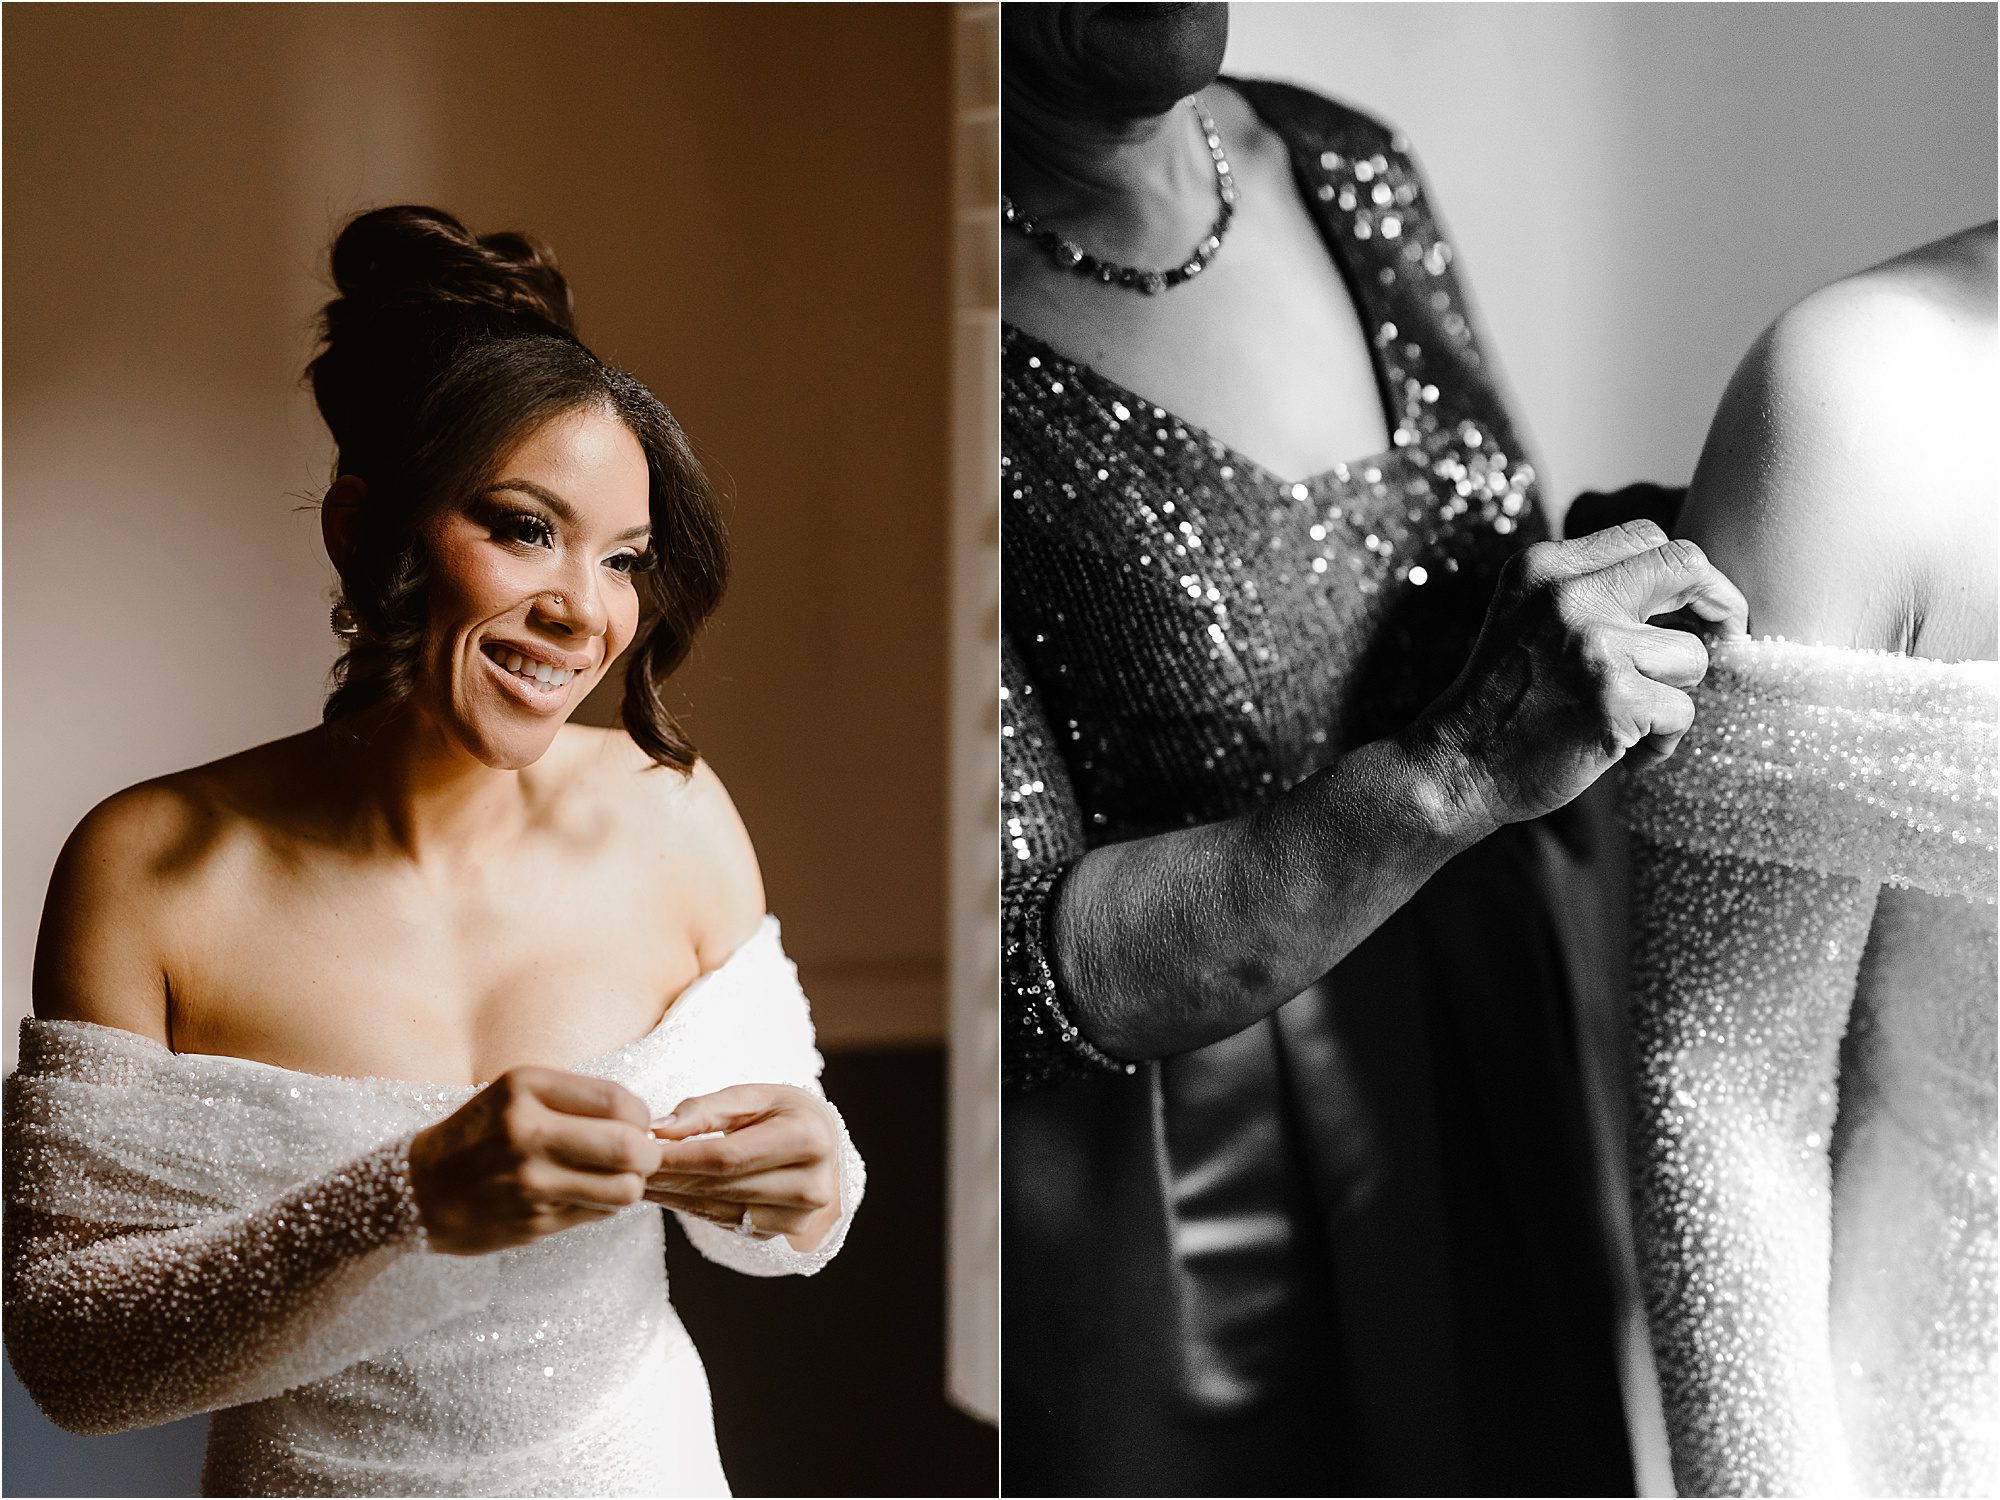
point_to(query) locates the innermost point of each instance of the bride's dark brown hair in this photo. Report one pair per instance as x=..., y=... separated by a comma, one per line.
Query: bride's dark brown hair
x=441, y=348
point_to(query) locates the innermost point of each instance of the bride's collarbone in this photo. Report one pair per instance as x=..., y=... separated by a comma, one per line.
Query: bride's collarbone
x=356, y=978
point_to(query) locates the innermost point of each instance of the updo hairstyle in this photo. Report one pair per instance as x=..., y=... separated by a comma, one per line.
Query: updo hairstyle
x=440, y=350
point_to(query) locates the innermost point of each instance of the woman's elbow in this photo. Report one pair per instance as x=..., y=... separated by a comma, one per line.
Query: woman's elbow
x=72, y=1382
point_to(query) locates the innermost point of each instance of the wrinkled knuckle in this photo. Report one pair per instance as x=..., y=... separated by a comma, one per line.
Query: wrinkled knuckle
x=1535, y=565
x=1684, y=555
x=1569, y=602
x=1598, y=658
x=1641, y=532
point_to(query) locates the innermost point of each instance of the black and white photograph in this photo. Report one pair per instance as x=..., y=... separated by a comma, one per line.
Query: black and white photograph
x=1498, y=610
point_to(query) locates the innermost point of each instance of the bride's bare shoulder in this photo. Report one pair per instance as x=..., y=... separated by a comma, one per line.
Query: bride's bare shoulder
x=1832, y=487
x=681, y=831
x=131, y=883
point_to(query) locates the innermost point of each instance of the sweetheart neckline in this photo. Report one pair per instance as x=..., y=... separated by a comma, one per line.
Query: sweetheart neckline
x=766, y=927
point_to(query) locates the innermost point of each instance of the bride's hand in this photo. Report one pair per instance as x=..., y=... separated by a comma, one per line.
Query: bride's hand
x=776, y=1155
x=535, y=1152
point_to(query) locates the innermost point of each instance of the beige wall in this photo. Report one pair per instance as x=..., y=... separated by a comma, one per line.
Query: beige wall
x=1638, y=189
x=752, y=203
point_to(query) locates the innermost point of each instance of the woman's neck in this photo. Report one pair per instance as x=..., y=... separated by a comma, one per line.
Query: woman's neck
x=403, y=785
x=1138, y=190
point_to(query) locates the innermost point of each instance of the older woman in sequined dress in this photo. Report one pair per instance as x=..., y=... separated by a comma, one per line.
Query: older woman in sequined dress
x=1297, y=1193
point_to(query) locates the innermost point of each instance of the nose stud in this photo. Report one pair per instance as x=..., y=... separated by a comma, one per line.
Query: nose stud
x=558, y=598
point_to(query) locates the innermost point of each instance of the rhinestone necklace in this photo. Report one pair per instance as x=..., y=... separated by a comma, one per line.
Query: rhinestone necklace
x=1072, y=256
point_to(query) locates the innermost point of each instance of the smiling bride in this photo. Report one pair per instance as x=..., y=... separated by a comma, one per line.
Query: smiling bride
x=357, y=1056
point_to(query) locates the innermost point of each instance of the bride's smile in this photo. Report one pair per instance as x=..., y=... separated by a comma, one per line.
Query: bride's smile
x=534, y=586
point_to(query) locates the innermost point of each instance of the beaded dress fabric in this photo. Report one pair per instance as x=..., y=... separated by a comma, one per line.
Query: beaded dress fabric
x=189, y=1233
x=1814, y=1134
x=1301, y=1255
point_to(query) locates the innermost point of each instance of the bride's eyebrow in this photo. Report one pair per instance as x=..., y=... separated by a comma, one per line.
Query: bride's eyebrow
x=559, y=507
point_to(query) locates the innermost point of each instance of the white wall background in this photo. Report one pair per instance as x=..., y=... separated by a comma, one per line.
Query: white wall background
x=1638, y=189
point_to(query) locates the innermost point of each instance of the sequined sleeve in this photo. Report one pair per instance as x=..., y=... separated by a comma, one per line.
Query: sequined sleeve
x=1811, y=778
x=758, y=1029
x=136, y=1294
x=1042, y=836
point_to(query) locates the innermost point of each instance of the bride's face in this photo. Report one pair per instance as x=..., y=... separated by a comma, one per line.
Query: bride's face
x=533, y=590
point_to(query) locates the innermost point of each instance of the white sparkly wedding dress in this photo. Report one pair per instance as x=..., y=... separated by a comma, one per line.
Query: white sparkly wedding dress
x=189, y=1233
x=1813, y=1139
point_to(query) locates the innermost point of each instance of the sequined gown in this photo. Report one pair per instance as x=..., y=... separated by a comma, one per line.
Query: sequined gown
x=190, y=1233
x=1350, y=1249
x=1813, y=1139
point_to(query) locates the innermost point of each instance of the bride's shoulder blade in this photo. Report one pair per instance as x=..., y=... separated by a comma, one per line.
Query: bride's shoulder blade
x=1832, y=487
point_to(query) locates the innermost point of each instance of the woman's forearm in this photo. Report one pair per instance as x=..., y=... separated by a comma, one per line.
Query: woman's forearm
x=1167, y=943
x=149, y=1326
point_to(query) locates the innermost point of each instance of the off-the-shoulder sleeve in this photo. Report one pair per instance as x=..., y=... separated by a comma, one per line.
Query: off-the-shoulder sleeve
x=1041, y=836
x=1858, y=763
x=1811, y=778
x=753, y=1024
x=140, y=1289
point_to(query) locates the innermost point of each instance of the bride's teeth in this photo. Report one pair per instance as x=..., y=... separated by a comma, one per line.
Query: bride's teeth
x=543, y=671
x=514, y=660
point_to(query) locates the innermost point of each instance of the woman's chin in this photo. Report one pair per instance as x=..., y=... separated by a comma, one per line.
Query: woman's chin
x=508, y=746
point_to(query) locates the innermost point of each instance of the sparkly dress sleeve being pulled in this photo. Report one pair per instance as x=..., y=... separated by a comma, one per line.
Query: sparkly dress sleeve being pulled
x=1813, y=1136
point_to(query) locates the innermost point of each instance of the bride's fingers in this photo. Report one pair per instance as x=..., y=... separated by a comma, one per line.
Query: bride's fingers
x=550, y=1184
x=784, y=1188
x=726, y=1109
x=554, y=1218
x=781, y=1140
x=766, y=1219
